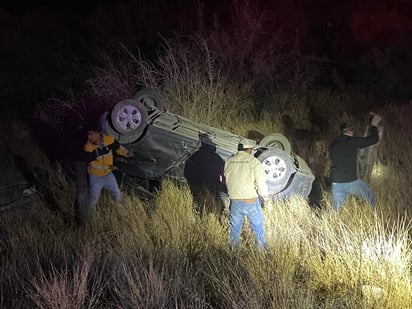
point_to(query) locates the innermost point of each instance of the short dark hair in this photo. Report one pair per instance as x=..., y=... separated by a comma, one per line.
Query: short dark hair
x=344, y=127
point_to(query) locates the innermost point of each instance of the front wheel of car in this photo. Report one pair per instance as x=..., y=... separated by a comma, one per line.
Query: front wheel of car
x=276, y=140
x=278, y=167
x=129, y=117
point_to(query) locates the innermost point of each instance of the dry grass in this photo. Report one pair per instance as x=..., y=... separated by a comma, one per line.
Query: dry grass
x=135, y=256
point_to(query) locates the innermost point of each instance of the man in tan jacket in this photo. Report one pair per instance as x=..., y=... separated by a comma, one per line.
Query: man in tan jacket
x=245, y=179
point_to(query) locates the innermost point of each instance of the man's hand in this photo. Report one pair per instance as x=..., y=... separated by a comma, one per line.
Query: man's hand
x=130, y=154
x=267, y=202
x=376, y=119
x=102, y=151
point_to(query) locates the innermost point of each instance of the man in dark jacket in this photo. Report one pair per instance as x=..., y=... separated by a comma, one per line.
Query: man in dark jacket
x=343, y=155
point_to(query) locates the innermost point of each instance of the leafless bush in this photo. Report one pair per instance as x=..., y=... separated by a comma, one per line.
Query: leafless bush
x=247, y=52
x=115, y=81
x=195, y=87
x=53, y=111
x=145, y=74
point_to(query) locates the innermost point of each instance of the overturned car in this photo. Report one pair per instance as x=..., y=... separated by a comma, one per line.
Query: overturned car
x=167, y=145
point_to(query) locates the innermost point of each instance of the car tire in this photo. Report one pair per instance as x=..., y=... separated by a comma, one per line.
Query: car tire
x=122, y=139
x=151, y=99
x=129, y=117
x=279, y=168
x=276, y=140
x=106, y=126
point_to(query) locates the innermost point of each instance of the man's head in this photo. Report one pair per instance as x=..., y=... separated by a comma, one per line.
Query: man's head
x=206, y=143
x=93, y=136
x=246, y=144
x=346, y=129
x=93, y=132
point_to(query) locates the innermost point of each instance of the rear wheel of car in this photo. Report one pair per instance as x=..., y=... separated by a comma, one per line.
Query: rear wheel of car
x=278, y=167
x=276, y=140
x=150, y=98
x=129, y=117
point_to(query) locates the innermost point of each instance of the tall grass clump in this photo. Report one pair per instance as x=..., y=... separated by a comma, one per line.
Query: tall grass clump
x=176, y=224
x=115, y=80
x=64, y=287
x=394, y=150
x=117, y=228
x=170, y=230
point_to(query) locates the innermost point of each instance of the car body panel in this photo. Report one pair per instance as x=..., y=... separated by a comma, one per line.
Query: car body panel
x=166, y=148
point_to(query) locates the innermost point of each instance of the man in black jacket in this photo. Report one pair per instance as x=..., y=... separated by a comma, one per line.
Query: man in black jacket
x=343, y=155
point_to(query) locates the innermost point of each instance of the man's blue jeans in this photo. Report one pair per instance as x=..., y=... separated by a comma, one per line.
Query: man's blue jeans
x=358, y=188
x=253, y=212
x=96, y=184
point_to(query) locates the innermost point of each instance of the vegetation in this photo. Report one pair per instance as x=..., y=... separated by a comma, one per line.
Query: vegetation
x=174, y=251
x=168, y=255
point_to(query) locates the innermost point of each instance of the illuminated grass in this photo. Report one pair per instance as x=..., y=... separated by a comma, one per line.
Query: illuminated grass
x=136, y=257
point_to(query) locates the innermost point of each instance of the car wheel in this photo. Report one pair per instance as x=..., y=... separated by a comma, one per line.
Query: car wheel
x=106, y=126
x=121, y=138
x=276, y=140
x=278, y=167
x=129, y=117
x=300, y=183
x=150, y=98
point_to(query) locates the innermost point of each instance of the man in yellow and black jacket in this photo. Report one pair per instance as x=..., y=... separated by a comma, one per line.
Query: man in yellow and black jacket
x=99, y=154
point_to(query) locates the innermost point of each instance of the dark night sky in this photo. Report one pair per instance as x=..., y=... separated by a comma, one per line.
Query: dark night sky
x=366, y=22
x=63, y=36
